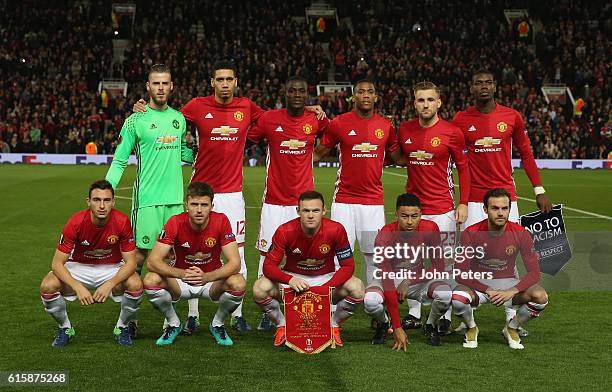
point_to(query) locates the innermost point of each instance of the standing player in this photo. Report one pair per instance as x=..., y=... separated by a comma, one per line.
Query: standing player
x=503, y=241
x=363, y=137
x=158, y=137
x=490, y=131
x=291, y=134
x=411, y=230
x=309, y=244
x=198, y=238
x=95, y=252
x=222, y=121
x=431, y=145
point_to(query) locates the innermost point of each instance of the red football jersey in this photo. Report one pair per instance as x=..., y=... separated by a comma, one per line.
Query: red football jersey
x=221, y=136
x=430, y=153
x=90, y=244
x=310, y=256
x=500, y=254
x=489, y=139
x=201, y=249
x=363, y=143
x=427, y=234
x=289, y=159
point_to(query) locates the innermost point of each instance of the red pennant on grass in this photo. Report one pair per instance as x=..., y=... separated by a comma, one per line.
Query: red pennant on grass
x=308, y=317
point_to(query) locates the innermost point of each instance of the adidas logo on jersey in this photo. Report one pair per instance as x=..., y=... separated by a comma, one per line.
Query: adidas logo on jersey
x=153, y=126
x=408, y=141
x=297, y=251
x=279, y=129
x=85, y=243
x=352, y=133
x=472, y=129
x=185, y=245
x=209, y=115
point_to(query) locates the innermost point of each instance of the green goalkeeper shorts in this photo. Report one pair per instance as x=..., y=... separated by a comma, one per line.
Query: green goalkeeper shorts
x=148, y=222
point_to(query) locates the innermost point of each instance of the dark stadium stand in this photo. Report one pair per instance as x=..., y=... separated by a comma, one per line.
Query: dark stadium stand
x=54, y=54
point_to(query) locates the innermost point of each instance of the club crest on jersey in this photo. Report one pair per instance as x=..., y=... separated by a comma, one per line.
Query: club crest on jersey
x=112, y=239
x=510, y=249
x=210, y=242
x=502, y=126
x=324, y=248
x=145, y=239
x=238, y=116
x=263, y=243
x=307, y=129
x=166, y=139
x=379, y=133
x=175, y=124
x=435, y=141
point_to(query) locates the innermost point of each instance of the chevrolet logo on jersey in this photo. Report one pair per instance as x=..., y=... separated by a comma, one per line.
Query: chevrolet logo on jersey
x=487, y=142
x=198, y=258
x=310, y=264
x=293, y=144
x=365, y=149
x=421, y=155
x=97, y=253
x=225, y=131
x=166, y=139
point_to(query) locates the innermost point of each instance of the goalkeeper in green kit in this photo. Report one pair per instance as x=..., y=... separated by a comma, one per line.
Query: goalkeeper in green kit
x=158, y=138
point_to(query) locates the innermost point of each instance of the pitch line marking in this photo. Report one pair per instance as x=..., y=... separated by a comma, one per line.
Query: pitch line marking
x=533, y=200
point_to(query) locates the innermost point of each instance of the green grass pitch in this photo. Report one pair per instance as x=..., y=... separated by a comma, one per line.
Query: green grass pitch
x=568, y=348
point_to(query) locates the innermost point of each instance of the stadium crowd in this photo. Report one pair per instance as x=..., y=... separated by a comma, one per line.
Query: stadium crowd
x=55, y=54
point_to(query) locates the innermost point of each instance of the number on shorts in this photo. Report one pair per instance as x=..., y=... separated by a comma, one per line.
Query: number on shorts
x=240, y=227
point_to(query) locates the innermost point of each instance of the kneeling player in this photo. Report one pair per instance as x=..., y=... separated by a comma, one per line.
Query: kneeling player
x=309, y=244
x=89, y=257
x=198, y=237
x=493, y=277
x=408, y=232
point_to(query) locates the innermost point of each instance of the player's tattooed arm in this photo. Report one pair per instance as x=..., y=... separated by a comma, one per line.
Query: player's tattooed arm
x=59, y=269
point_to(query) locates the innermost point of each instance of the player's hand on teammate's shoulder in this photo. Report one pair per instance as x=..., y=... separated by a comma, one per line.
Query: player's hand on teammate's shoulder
x=318, y=110
x=298, y=284
x=102, y=292
x=140, y=106
x=84, y=295
x=400, y=340
x=543, y=203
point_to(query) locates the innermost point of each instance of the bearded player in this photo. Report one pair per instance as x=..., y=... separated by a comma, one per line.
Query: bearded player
x=499, y=282
x=363, y=138
x=95, y=252
x=490, y=131
x=411, y=230
x=222, y=121
x=198, y=238
x=309, y=244
x=291, y=135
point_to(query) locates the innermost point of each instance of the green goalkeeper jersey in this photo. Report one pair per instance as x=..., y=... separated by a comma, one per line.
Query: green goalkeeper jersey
x=158, y=139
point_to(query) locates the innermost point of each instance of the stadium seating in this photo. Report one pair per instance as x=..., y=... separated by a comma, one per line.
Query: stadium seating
x=55, y=55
